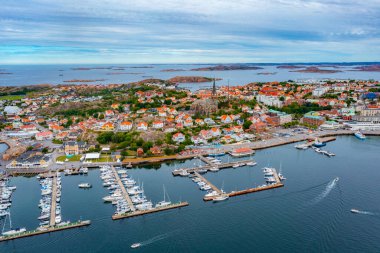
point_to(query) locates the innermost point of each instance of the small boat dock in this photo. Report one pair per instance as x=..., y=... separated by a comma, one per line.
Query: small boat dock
x=208, y=182
x=124, y=191
x=274, y=185
x=45, y=230
x=210, y=165
x=53, y=201
x=153, y=210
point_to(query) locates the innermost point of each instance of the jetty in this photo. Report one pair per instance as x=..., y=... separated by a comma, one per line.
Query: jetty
x=208, y=182
x=277, y=184
x=123, y=190
x=209, y=166
x=53, y=201
x=45, y=230
x=153, y=210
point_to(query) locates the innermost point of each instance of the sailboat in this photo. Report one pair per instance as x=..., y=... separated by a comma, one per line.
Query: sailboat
x=280, y=173
x=11, y=231
x=164, y=202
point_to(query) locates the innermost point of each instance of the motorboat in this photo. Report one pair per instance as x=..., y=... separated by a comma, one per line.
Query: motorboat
x=184, y=173
x=214, y=169
x=318, y=143
x=354, y=211
x=135, y=245
x=212, y=194
x=360, y=135
x=84, y=185
x=252, y=163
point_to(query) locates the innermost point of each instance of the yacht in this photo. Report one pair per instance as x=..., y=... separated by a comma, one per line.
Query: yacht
x=3, y=213
x=184, y=173
x=354, y=211
x=214, y=169
x=301, y=146
x=144, y=206
x=58, y=219
x=211, y=194
x=14, y=232
x=221, y=198
x=251, y=163
x=85, y=185
x=281, y=177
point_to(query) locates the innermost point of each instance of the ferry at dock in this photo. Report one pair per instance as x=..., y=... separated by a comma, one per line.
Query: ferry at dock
x=240, y=152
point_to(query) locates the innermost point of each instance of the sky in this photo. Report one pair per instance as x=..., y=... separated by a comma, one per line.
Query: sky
x=192, y=31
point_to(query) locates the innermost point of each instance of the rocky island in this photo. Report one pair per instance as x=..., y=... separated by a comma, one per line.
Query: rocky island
x=191, y=79
x=370, y=68
x=227, y=67
x=317, y=70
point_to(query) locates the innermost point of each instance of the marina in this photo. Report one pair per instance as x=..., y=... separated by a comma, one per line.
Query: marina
x=260, y=205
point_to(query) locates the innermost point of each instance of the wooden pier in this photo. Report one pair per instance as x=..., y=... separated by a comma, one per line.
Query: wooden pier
x=45, y=230
x=154, y=210
x=124, y=191
x=208, y=167
x=208, y=182
x=53, y=202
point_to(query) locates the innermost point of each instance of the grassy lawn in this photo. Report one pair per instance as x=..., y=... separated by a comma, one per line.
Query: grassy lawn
x=12, y=97
x=63, y=158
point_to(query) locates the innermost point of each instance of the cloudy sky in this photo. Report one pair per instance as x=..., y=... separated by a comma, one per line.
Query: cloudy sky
x=188, y=31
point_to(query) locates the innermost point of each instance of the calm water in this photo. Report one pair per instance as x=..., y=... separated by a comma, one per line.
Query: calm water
x=309, y=214
x=39, y=74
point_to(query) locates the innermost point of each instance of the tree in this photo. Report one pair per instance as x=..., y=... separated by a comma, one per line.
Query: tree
x=45, y=150
x=247, y=124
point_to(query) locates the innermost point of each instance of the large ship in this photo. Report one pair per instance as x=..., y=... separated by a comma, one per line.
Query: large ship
x=359, y=135
x=242, y=152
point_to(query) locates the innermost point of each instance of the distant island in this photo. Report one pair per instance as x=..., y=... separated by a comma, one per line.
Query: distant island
x=266, y=73
x=191, y=79
x=370, y=68
x=289, y=67
x=124, y=73
x=6, y=73
x=172, y=70
x=316, y=70
x=227, y=67
x=84, y=80
x=85, y=68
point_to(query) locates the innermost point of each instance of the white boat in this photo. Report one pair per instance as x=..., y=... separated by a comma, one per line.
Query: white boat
x=236, y=165
x=252, y=163
x=222, y=197
x=135, y=245
x=184, y=173
x=281, y=177
x=44, y=216
x=4, y=206
x=211, y=194
x=58, y=219
x=3, y=213
x=145, y=206
x=14, y=232
x=354, y=211
x=205, y=187
x=301, y=146
x=214, y=169
x=84, y=185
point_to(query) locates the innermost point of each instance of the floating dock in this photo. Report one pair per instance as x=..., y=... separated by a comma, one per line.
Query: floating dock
x=124, y=191
x=154, y=210
x=45, y=230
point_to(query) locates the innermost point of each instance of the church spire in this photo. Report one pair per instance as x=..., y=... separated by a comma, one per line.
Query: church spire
x=213, y=89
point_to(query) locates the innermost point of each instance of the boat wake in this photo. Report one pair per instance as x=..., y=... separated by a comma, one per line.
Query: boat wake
x=157, y=238
x=330, y=186
x=366, y=213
